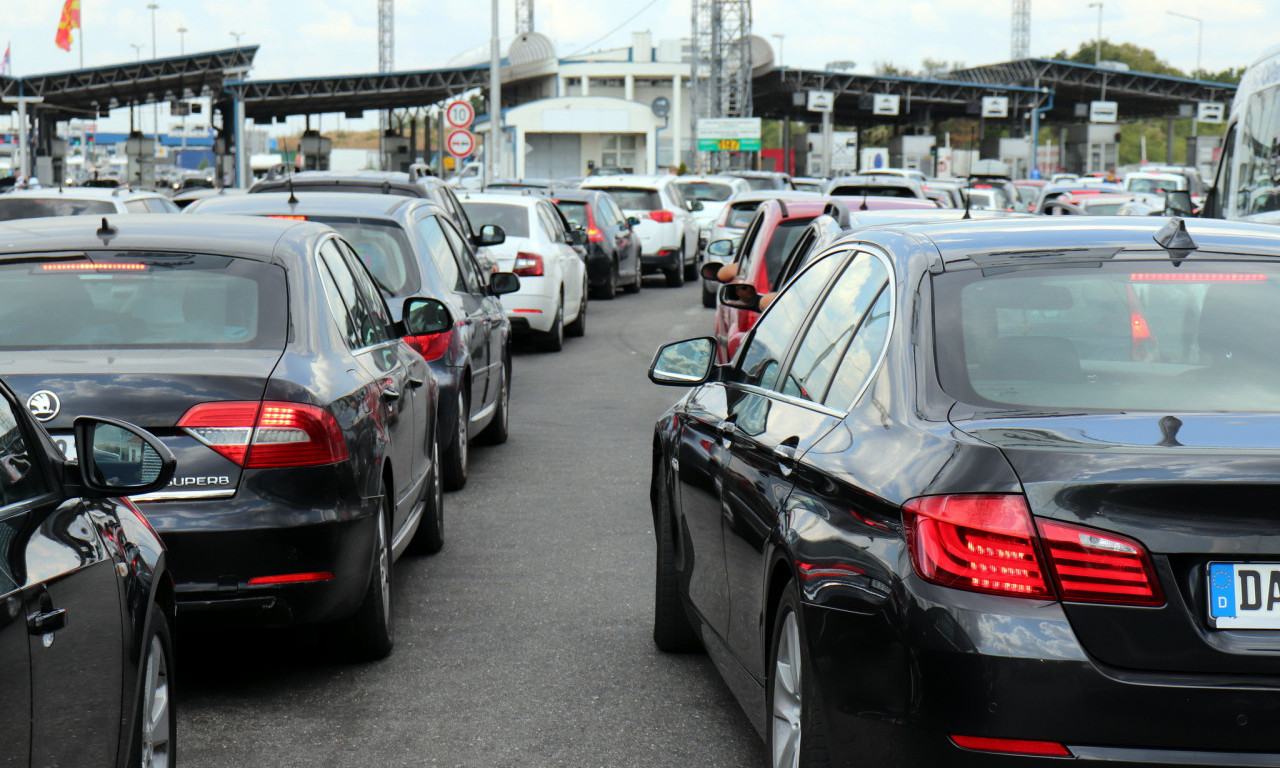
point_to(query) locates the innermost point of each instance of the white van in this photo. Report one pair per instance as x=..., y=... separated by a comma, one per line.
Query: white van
x=1247, y=185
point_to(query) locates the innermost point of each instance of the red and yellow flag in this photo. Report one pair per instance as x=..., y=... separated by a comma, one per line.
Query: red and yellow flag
x=70, y=20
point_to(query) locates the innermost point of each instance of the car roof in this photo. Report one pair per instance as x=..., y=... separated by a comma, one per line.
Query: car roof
x=770, y=194
x=258, y=238
x=345, y=204
x=84, y=193
x=627, y=180
x=574, y=193
x=880, y=179
x=528, y=201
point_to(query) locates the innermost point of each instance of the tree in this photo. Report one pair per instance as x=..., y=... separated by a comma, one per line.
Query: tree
x=1138, y=59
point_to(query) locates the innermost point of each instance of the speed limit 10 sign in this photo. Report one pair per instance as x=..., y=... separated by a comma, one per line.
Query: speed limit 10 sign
x=461, y=143
x=459, y=114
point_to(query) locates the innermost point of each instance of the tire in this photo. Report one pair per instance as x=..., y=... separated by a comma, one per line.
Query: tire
x=370, y=633
x=457, y=457
x=675, y=277
x=690, y=270
x=635, y=285
x=496, y=432
x=429, y=538
x=795, y=733
x=610, y=288
x=672, y=630
x=155, y=718
x=578, y=328
x=553, y=340
x=708, y=296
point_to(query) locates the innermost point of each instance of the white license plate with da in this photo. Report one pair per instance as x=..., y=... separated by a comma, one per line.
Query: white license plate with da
x=1244, y=595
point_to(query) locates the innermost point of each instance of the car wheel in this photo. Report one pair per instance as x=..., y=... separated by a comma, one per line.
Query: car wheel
x=370, y=630
x=578, y=328
x=610, y=288
x=675, y=276
x=708, y=296
x=496, y=432
x=553, y=340
x=690, y=269
x=429, y=538
x=155, y=721
x=457, y=455
x=672, y=630
x=795, y=733
x=635, y=285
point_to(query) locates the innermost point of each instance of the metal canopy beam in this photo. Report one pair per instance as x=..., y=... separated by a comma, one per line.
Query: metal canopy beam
x=267, y=99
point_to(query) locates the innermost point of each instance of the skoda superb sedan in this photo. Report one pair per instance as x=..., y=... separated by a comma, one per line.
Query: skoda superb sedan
x=261, y=353
x=989, y=493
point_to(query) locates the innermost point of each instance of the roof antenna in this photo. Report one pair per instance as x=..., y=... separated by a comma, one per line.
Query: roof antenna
x=1175, y=239
x=865, y=191
x=968, y=186
x=106, y=231
x=288, y=176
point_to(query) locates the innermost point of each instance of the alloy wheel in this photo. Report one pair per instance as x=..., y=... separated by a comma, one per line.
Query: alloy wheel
x=156, y=738
x=787, y=696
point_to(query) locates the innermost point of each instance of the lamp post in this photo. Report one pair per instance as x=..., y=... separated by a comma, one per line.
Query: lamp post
x=1195, y=124
x=1097, y=56
x=155, y=110
x=137, y=49
x=182, y=40
x=780, y=37
x=182, y=49
x=237, y=36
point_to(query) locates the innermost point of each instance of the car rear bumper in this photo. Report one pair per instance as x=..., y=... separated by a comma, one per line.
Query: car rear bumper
x=896, y=699
x=662, y=261
x=599, y=266
x=529, y=307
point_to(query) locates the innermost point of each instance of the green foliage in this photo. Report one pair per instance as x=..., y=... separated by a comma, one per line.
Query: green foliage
x=1138, y=58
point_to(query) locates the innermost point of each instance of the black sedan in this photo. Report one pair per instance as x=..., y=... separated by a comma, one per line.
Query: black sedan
x=989, y=493
x=613, y=249
x=261, y=352
x=87, y=641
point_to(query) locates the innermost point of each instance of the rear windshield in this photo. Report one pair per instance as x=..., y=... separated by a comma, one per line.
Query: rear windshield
x=858, y=190
x=706, y=191
x=39, y=207
x=1102, y=209
x=514, y=219
x=575, y=211
x=384, y=248
x=1135, y=335
x=1027, y=194
x=741, y=214
x=632, y=199
x=765, y=182
x=142, y=299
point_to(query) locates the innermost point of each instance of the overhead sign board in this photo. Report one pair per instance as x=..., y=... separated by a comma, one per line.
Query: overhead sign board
x=995, y=106
x=459, y=114
x=461, y=142
x=821, y=101
x=1211, y=111
x=885, y=104
x=728, y=134
x=1102, y=111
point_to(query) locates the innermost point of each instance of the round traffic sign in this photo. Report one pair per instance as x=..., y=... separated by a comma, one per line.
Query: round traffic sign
x=461, y=143
x=459, y=114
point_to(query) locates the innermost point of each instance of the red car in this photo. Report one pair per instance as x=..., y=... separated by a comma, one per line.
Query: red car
x=766, y=242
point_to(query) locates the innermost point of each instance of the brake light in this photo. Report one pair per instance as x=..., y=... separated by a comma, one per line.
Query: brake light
x=982, y=186
x=1196, y=277
x=268, y=434
x=88, y=266
x=977, y=542
x=811, y=571
x=1011, y=746
x=1092, y=566
x=662, y=217
x=528, y=265
x=431, y=346
x=290, y=217
x=595, y=236
x=291, y=578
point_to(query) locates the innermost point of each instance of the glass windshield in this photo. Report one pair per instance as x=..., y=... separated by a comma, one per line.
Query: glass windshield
x=1136, y=335
x=575, y=211
x=741, y=214
x=384, y=249
x=1155, y=185
x=38, y=207
x=705, y=191
x=1102, y=209
x=142, y=299
x=1028, y=194
x=764, y=182
x=514, y=219
x=636, y=199
x=860, y=190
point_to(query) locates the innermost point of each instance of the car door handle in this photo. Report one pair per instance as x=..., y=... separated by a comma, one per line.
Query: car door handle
x=726, y=428
x=786, y=456
x=416, y=381
x=47, y=621
x=389, y=394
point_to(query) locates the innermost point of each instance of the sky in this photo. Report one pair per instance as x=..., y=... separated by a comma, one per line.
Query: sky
x=305, y=38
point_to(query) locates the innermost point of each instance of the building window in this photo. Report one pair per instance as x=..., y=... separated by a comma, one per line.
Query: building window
x=619, y=151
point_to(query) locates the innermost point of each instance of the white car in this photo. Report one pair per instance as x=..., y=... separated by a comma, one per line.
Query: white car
x=1149, y=182
x=552, y=300
x=668, y=232
x=81, y=201
x=713, y=192
x=902, y=173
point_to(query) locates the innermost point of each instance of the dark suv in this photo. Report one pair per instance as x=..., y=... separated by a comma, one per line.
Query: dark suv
x=613, y=250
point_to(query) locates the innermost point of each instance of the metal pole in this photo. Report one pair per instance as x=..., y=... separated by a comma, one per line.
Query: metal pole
x=494, y=152
x=155, y=109
x=1195, y=123
x=826, y=144
x=1097, y=59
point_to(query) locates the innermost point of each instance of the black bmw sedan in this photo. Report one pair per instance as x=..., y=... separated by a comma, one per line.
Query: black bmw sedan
x=86, y=646
x=263, y=355
x=989, y=493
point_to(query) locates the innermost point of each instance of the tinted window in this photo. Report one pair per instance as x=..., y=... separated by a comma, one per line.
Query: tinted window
x=514, y=219
x=21, y=477
x=762, y=357
x=575, y=211
x=136, y=206
x=859, y=190
x=38, y=207
x=862, y=354
x=783, y=240
x=142, y=299
x=706, y=191
x=636, y=199
x=462, y=255
x=161, y=205
x=367, y=329
x=436, y=244
x=369, y=296
x=763, y=183
x=384, y=249
x=740, y=214
x=614, y=211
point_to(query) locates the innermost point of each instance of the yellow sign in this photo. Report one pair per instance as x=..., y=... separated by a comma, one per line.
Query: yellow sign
x=449, y=162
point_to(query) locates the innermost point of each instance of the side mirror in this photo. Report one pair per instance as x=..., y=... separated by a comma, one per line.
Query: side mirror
x=118, y=459
x=1178, y=203
x=578, y=236
x=632, y=221
x=491, y=234
x=740, y=296
x=721, y=249
x=710, y=271
x=683, y=363
x=501, y=283
x=423, y=316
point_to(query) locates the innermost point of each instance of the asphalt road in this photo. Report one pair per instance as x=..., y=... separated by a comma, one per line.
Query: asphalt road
x=526, y=641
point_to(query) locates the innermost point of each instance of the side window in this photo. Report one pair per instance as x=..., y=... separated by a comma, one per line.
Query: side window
x=840, y=325
x=748, y=241
x=437, y=246
x=615, y=212
x=762, y=357
x=861, y=355
x=550, y=225
x=337, y=306
x=462, y=254
x=160, y=205
x=459, y=213
x=369, y=295
x=364, y=330
x=136, y=206
x=21, y=477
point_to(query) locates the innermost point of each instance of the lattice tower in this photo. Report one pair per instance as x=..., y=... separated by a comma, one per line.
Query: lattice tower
x=1021, y=48
x=524, y=16
x=721, y=58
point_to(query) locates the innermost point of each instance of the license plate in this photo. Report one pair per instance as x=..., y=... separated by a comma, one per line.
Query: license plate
x=67, y=444
x=1244, y=595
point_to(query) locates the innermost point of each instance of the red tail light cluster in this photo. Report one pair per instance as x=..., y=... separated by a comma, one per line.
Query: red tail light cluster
x=594, y=235
x=662, y=217
x=431, y=346
x=267, y=434
x=1010, y=746
x=990, y=543
x=528, y=265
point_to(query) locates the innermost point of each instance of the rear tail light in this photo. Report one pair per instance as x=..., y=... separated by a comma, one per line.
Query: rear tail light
x=528, y=265
x=989, y=543
x=432, y=346
x=268, y=434
x=291, y=578
x=662, y=217
x=595, y=236
x=290, y=217
x=1011, y=746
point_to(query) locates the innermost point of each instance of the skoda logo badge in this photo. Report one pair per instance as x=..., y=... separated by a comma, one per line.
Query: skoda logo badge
x=44, y=405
